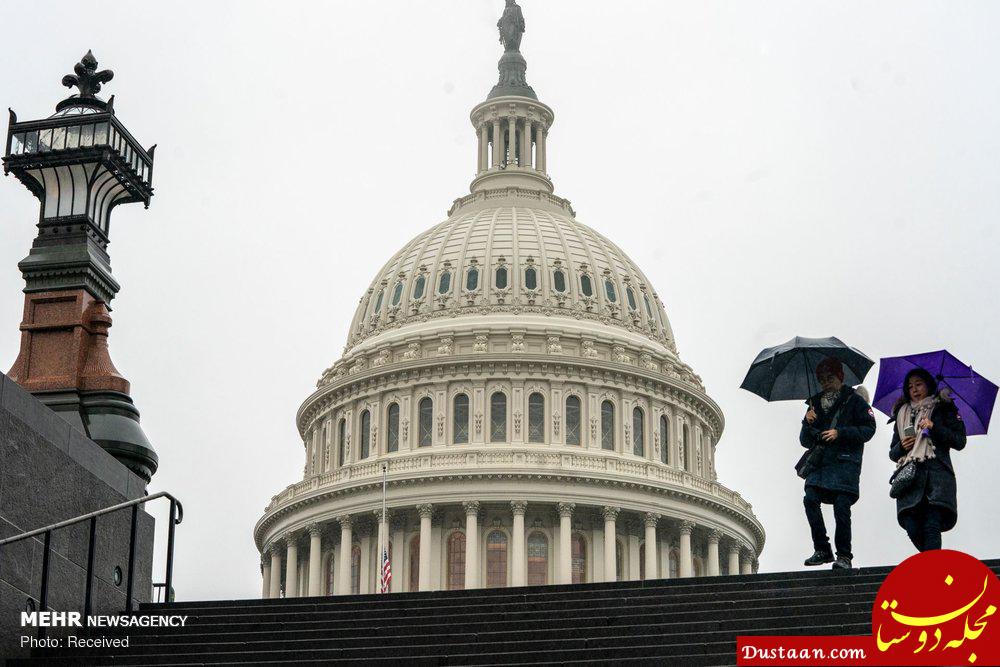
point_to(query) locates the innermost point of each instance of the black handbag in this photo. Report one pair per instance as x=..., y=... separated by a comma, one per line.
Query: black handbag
x=901, y=480
x=809, y=462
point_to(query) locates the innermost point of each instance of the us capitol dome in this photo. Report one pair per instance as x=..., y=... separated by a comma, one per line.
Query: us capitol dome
x=517, y=375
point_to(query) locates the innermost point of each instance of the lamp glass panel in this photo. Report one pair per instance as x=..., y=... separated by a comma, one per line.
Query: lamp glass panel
x=100, y=134
x=73, y=136
x=17, y=143
x=58, y=138
x=31, y=142
x=86, y=135
x=45, y=140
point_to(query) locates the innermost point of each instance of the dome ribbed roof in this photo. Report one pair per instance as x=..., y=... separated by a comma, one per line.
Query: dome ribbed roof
x=519, y=256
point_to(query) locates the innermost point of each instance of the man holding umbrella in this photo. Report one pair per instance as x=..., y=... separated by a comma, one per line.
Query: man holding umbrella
x=836, y=427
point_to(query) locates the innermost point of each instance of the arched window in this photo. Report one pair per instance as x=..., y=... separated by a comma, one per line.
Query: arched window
x=538, y=559
x=573, y=420
x=341, y=442
x=378, y=303
x=530, y=278
x=674, y=566
x=472, y=279
x=536, y=418
x=460, y=419
x=630, y=295
x=496, y=559
x=392, y=428
x=498, y=417
x=501, y=277
x=425, y=417
x=649, y=309
x=638, y=432
x=586, y=285
x=456, y=561
x=608, y=425
x=619, y=561
x=609, y=289
x=414, y=583
x=578, y=549
x=682, y=448
x=418, y=287
x=664, y=439
x=356, y=569
x=397, y=293
x=559, y=280
x=331, y=574
x=444, y=283
x=366, y=434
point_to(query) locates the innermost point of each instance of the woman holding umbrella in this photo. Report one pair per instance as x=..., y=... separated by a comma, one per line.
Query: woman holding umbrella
x=927, y=428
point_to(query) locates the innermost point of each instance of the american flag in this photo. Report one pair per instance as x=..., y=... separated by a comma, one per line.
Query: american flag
x=386, y=571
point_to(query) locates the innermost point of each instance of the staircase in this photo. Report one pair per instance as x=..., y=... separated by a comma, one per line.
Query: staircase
x=677, y=621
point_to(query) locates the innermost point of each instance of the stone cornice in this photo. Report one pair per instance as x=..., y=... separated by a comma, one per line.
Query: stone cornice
x=472, y=464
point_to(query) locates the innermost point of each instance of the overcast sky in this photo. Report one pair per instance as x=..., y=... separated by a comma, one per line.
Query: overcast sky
x=775, y=168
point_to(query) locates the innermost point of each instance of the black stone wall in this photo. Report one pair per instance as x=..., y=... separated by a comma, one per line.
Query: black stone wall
x=50, y=472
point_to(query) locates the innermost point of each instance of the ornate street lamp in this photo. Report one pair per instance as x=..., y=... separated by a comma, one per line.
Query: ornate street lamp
x=81, y=162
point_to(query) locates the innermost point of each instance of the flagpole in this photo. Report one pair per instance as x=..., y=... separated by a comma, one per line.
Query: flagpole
x=384, y=527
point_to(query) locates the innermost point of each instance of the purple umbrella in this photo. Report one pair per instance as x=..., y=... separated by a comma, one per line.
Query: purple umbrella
x=974, y=395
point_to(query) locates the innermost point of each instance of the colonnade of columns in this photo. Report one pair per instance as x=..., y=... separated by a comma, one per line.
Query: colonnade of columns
x=511, y=140
x=740, y=557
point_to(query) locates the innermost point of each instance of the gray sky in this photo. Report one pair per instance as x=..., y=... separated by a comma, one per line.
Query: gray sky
x=775, y=168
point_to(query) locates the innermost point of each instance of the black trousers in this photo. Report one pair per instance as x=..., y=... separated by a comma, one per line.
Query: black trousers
x=841, y=502
x=923, y=525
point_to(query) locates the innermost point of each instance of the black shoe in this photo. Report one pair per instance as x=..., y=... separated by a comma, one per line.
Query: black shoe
x=819, y=558
x=842, y=563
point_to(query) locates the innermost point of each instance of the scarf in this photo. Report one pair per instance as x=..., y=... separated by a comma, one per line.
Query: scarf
x=827, y=400
x=912, y=413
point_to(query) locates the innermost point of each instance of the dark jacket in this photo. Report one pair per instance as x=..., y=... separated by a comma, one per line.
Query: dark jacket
x=935, y=477
x=840, y=467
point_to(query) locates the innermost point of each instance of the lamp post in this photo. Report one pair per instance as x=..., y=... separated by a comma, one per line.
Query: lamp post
x=81, y=162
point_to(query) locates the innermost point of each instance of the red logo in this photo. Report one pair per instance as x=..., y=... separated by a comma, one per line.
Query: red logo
x=939, y=607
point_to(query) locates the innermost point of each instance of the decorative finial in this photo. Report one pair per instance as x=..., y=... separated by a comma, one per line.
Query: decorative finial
x=87, y=78
x=511, y=26
x=512, y=65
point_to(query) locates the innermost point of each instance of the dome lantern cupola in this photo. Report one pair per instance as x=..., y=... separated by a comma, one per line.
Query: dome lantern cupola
x=511, y=124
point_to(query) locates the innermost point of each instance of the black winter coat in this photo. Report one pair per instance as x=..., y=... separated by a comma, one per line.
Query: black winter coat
x=840, y=467
x=935, y=477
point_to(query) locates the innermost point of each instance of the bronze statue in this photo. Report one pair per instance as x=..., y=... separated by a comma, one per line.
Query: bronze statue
x=511, y=26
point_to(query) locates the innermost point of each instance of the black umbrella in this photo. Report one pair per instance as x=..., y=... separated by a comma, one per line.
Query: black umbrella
x=787, y=372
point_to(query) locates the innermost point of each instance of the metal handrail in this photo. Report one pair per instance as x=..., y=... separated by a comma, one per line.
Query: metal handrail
x=176, y=516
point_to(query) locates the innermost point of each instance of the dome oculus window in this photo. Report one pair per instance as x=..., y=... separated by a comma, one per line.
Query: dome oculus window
x=397, y=293
x=586, y=285
x=536, y=418
x=609, y=289
x=425, y=418
x=559, y=280
x=460, y=416
x=444, y=283
x=630, y=295
x=498, y=417
x=573, y=420
x=472, y=279
x=530, y=278
x=418, y=287
x=501, y=277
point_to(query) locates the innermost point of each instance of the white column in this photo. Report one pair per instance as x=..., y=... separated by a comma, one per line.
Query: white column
x=746, y=562
x=481, y=162
x=713, y=553
x=424, y=575
x=265, y=564
x=651, y=563
x=511, y=141
x=344, y=585
x=687, y=567
x=565, y=543
x=610, y=563
x=518, y=568
x=497, y=143
x=471, y=543
x=275, y=583
x=526, y=144
x=315, y=560
x=397, y=555
x=540, y=136
x=292, y=567
x=734, y=559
